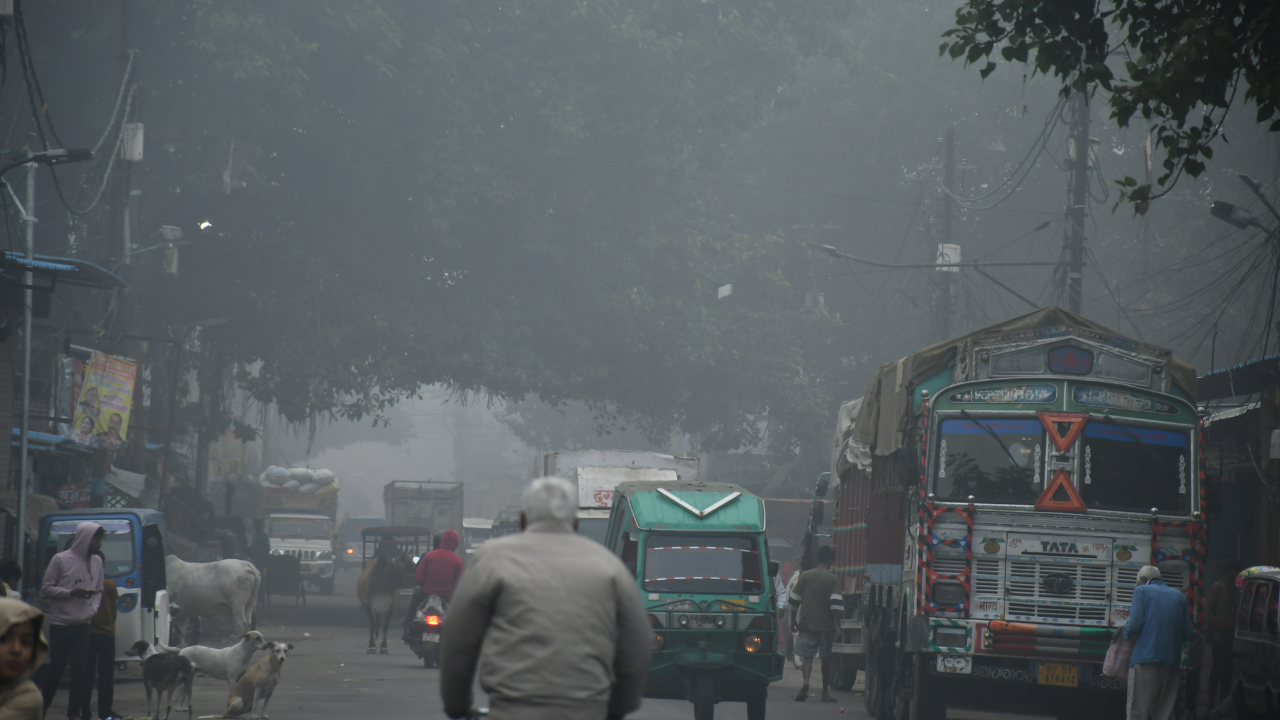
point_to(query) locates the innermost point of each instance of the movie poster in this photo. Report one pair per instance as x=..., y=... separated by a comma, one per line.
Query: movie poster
x=106, y=397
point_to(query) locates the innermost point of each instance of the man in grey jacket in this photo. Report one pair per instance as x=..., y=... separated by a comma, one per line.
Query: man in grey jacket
x=564, y=633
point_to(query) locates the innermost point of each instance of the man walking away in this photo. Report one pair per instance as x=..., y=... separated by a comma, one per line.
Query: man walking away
x=1158, y=624
x=563, y=631
x=102, y=653
x=1223, y=600
x=817, y=606
x=73, y=586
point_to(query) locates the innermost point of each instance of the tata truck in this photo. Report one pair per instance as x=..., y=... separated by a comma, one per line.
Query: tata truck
x=996, y=495
x=424, y=504
x=598, y=473
x=304, y=526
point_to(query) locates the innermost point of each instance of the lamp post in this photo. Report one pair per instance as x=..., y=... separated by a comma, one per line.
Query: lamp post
x=48, y=157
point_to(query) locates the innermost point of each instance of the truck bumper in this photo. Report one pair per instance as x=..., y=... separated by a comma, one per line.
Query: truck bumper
x=317, y=569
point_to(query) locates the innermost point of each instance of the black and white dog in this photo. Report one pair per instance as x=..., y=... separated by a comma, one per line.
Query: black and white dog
x=163, y=672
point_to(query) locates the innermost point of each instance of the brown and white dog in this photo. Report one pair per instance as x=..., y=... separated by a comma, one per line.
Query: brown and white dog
x=258, y=684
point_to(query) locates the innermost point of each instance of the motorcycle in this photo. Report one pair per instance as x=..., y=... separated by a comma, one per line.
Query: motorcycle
x=423, y=633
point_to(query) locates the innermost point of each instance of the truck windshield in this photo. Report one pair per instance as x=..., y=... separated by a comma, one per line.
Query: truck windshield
x=702, y=564
x=992, y=459
x=1136, y=468
x=117, y=543
x=304, y=528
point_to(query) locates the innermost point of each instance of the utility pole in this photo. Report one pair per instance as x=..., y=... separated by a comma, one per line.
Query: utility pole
x=944, y=277
x=1077, y=205
x=24, y=463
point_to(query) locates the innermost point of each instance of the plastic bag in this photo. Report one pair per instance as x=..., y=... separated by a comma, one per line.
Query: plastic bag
x=324, y=477
x=292, y=485
x=1117, y=663
x=301, y=474
x=329, y=489
x=308, y=488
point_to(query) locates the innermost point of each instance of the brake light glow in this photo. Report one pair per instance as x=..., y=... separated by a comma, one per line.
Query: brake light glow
x=351, y=551
x=433, y=619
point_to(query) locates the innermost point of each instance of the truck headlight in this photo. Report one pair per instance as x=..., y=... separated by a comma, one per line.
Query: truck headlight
x=753, y=644
x=277, y=552
x=950, y=636
x=948, y=593
x=658, y=641
x=324, y=555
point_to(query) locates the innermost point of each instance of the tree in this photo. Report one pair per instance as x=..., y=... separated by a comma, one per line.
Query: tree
x=495, y=198
x=1184, y=63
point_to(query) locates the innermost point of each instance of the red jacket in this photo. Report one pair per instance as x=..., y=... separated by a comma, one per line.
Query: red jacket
x=439, y=570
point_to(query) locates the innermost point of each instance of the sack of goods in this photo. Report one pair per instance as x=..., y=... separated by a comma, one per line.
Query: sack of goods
x=304, y=481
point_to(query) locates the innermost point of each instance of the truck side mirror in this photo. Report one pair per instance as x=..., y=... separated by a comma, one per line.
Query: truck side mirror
x=773, y=568
x=824, y=482
x=818, y=510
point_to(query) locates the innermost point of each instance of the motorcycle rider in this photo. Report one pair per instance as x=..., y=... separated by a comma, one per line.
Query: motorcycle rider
x=437, y=574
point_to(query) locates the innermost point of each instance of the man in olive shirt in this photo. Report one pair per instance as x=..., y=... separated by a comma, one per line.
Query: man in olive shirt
x=817, y=605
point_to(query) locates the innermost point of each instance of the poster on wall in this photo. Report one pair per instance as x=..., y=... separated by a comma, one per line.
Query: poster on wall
x=74, y=495
x=71, y=375
x=106, y=396
x=226, y=458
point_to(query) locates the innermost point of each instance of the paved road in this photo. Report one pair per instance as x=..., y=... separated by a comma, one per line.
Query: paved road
x=329, y=675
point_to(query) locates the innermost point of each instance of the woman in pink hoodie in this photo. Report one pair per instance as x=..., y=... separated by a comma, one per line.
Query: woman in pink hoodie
x=73, y=585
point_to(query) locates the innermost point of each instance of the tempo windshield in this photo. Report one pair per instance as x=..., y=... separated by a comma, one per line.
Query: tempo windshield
x=117, y=543
x=994, y=460
x=702, y=564
x=1136, y=468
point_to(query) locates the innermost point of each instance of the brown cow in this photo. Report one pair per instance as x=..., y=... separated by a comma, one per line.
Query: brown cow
x=380, y=582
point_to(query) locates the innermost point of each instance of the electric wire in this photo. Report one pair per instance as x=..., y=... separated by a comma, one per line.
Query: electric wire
x=1046, y=128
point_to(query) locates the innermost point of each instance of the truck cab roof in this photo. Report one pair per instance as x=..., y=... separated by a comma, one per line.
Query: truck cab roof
x=701, y=506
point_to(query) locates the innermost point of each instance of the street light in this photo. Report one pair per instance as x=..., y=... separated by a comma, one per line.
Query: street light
x=1235, y=215
x=59, y=156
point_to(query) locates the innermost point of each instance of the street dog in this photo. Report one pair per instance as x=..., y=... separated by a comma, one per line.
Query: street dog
x=229, y=663
x=258, y=684
x=162, y=672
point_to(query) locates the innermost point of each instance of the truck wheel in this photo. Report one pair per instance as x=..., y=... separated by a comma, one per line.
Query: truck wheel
x=326, y=585
x=756, y=704
x=877, y=682
x=704, y=696
x=930, y=703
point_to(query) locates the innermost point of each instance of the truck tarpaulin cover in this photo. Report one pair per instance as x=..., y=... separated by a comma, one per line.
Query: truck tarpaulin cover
x=886, y=407
x=847, y=451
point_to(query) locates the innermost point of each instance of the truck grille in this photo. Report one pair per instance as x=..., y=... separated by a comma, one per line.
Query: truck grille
x=301, y=554
x=1029, y=597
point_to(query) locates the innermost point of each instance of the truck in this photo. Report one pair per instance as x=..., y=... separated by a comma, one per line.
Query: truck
x=304, y=526
x=996, y=496
x=598, y=473
x=425, y=504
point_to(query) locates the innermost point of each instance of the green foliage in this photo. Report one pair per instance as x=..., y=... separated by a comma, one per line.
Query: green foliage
x=1184, y=62
x=490, y=197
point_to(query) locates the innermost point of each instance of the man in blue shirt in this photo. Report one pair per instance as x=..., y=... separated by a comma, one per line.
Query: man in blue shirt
x=1158, y=624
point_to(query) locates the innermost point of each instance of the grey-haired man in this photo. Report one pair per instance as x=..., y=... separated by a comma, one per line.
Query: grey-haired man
x=552, y=618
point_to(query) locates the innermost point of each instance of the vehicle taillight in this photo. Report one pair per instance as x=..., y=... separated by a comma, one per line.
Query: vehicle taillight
x=351, y=551
x=433, y=619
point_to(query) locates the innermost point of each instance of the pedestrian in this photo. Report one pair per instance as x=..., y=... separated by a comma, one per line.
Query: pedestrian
x=817, y=605
x=259, y=551
x=10, y=578
x=1159, y=623
x=102, y=653
x=797, y=568
x=73, y=587
x=1223, y=601
x=553, y=619
x=22, y=650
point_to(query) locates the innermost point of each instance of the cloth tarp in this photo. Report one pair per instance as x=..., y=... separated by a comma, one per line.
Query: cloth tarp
x=886, y=407
x=848, y=452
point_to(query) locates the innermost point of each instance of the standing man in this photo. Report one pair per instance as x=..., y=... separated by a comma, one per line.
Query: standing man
x=73, y=586
x=259, y=551
x=817, y=606
x=552, y=618
x=102, y=653
x=1223, y=601
x=1158, y=624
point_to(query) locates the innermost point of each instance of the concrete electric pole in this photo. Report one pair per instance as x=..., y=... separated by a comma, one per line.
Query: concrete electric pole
x=943, y=279
x=1079, y=160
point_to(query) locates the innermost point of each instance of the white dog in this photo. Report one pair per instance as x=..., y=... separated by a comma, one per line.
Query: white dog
x=228, y=663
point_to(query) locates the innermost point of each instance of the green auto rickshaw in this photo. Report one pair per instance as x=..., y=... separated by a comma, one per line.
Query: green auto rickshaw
x=701, y=563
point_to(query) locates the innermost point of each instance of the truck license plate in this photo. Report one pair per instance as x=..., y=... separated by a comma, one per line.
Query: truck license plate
x=961, y=664
x=1061, y=674
x=430, y=637
x=406, y=591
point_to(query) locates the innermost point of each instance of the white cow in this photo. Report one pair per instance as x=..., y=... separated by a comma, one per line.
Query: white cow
x=206, y=589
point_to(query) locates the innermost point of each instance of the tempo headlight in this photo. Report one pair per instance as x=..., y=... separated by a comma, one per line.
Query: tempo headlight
x=753, y=644
x=127, y=602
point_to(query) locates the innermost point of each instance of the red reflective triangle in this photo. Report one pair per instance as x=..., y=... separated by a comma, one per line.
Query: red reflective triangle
x=1050, y=421
x=1060, y=495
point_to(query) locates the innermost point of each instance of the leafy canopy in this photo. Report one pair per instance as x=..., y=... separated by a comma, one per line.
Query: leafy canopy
x=1184, y=62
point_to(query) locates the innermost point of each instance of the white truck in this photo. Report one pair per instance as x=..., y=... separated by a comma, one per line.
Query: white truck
x=309, y=538
x=598, y=472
